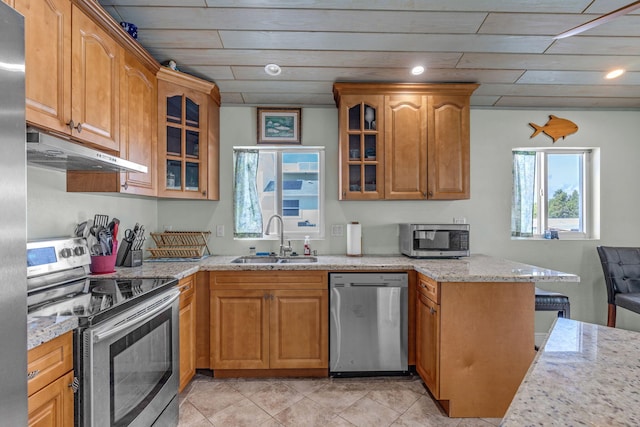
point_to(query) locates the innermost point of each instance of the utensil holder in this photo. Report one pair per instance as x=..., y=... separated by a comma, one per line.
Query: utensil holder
x=102, y=264
x=133, y=259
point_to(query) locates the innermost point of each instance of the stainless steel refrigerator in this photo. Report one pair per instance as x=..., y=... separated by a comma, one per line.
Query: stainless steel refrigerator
x=13, y=219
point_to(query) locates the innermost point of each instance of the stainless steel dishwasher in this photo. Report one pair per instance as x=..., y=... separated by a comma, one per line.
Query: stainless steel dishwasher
x=368, y=324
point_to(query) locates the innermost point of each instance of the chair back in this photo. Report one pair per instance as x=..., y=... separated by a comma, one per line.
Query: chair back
x=621, y=268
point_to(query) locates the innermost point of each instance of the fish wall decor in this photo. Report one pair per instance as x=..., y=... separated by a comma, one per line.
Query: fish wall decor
x=556, y=128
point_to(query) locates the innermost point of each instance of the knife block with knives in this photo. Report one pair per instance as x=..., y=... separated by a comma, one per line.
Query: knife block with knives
x=130, y=251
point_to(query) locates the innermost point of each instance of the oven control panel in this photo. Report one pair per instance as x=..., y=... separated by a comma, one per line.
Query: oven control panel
x=50, y=256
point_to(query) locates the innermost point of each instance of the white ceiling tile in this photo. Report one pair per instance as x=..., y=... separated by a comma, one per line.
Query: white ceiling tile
x=274, y=86
x=383, y=42
x=201, y=39
x=535, y=90
x=289, y=98
x=572, y=6
x=231, y=98
x=577, y=78
x=483, y=101
x=499, y=61
x=564, y=102
x=585, y=45
x=144, y=3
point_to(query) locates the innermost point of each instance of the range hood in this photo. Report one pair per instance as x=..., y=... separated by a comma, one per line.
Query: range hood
x=54, y=152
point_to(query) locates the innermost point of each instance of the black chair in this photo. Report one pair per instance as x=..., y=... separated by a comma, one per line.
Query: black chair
x=621, y=268
x=552, y=301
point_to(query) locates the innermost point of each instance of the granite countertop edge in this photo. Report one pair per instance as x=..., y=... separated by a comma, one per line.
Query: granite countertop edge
x=476, y=268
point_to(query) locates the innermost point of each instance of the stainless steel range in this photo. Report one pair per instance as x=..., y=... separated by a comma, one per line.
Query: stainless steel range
x=126, y=347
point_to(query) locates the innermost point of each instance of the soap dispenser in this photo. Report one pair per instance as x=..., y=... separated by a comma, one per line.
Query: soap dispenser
x=307, y=247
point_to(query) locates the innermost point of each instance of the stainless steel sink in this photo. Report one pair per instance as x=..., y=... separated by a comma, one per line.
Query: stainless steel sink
x=273, y=260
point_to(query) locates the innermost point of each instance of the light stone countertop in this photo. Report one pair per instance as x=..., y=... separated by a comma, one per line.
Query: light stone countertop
x=584, y=375
x=46, y=328
x=476, y=268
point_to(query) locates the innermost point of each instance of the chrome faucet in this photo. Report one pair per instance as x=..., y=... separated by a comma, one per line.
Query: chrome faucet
x=283, y=249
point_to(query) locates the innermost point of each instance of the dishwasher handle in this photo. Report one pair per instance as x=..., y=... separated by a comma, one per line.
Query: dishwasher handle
x=368, y=285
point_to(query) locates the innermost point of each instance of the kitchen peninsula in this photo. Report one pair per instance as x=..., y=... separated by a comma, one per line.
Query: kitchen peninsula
x=584, y=374
x=471, y=320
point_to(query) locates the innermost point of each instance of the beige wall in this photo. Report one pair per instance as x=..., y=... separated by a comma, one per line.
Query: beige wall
x=493, y=134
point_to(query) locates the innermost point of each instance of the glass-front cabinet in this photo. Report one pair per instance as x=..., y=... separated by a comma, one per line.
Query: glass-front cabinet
x=188, y=137
x=361, y=150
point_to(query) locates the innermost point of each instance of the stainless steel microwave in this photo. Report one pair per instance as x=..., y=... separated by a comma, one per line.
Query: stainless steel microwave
x=434, y=240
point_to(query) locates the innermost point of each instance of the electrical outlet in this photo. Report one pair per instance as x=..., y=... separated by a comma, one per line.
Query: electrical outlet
x=337, y=230
x=219, y=230
x=462, y=220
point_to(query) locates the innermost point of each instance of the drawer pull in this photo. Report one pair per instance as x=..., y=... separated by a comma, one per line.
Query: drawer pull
x=422, y=285
x=186, y=288
x=31, y=375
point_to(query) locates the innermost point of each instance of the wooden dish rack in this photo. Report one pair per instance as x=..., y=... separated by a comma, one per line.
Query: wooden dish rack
x=180, y=244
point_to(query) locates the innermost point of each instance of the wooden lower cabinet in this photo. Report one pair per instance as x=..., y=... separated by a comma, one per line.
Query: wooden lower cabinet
x=50, y=373
x=53, y=405
x=474, y=343
x=187, y=322
x=428, y=342
x=274, y=321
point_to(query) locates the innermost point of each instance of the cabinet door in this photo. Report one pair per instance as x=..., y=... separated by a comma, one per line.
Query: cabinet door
x=95, y=71
x=182, y=142
x=48, y=64
x=405, y=145
x=239, y=329
x=361, y=147
x=448, y=147
x=299, y=329
x=187, y=322
x=53, y=405
x=138, y=126
x=428, y=343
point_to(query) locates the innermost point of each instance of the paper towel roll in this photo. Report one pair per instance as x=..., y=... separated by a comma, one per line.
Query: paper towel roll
x=354, y=239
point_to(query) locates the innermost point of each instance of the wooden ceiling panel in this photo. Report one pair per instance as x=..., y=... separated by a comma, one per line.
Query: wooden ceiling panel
x=492, y=42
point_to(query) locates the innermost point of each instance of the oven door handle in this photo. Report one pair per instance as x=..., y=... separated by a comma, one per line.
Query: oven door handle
x=139, y=317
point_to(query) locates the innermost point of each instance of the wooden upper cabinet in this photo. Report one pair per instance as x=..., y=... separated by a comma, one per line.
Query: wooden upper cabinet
x=48, y=62
x=95, y=72
x=138, y=126
x=405, y=146
x=448, y=148
x=422, y=141
x=361, y=149
x=72, y=73
x=188, y=117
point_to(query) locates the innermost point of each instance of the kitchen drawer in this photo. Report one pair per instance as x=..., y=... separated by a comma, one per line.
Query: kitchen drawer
x=429, y=288
x=49, y=361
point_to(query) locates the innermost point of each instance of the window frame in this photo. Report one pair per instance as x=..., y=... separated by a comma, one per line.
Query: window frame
x=317, y=234
x=588, y=194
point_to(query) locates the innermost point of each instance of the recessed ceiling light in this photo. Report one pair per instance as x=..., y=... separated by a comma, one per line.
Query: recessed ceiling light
x=416, y=71
x=272, y=69
x=614, y=74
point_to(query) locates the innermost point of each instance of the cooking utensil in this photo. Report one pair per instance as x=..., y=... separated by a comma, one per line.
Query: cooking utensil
x=102, y=220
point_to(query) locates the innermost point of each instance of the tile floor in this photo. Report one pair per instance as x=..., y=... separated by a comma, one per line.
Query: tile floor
x=371, y=402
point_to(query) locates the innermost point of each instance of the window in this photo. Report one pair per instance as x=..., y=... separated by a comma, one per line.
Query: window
x=278, y=181
x=552, y=193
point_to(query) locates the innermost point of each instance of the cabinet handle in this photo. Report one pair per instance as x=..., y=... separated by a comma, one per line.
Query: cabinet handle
x=266, y=296
x=186, y=288
x=204, y=193
x=430, y=193
x=72, y=125
x=125, y=186
x=423, y=286
x=31, y=375
x=74, y=385
x=431, y=310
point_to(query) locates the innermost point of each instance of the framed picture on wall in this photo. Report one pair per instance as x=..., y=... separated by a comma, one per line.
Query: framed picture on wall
x=279, y=125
